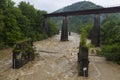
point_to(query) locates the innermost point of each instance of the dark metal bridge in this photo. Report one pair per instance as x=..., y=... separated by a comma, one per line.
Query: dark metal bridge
x=86, y=12
x=96, y=29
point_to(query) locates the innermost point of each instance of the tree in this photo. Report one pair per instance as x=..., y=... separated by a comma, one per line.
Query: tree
x=18, y=23
x=11, y=31
x=110, y=32
x=6, y=4
x=30, y=12
x=110, y=38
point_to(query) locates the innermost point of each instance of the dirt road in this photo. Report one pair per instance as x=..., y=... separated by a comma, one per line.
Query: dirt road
x=58, y=61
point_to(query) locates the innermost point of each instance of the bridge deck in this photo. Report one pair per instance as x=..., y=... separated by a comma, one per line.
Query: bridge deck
x=86, y=12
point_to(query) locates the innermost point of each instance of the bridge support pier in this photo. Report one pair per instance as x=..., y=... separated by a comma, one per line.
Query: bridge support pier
x=64, y=31
x=95, y=39
x=83, y=61
x=46, y=25
x=47, y=28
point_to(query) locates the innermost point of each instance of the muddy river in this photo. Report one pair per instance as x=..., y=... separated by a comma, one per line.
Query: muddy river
x=57, y=61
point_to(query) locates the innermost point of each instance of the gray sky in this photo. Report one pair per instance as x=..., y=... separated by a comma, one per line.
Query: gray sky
x=53, y=5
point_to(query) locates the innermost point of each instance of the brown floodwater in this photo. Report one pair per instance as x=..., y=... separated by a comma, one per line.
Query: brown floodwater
x=57, y=61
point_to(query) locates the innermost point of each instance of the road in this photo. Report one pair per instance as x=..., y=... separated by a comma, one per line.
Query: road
x=57, y=61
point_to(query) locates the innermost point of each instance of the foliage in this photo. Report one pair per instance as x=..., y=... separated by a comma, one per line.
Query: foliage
x=111, y=52
x=24, y=21
x=29, y=52
x=85, y=30
x=53, y=28
x=110, y=38
x=110, y=33
x=83, y=38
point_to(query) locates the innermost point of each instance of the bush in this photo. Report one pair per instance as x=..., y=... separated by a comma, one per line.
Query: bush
x=83, y=38
x=1, y=45
x=111, y=52
x=52, y=28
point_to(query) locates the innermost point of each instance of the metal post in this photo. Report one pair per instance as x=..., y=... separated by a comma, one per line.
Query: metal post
x=64, y=31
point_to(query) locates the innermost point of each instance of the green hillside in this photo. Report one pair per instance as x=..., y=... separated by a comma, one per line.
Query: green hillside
x=83, y=5
x=75, y=22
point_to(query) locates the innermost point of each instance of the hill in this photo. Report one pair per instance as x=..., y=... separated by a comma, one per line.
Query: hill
x=74, y=22
x=83, y=5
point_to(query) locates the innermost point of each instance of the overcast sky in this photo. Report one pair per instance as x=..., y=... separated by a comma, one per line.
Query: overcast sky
x=53, y=5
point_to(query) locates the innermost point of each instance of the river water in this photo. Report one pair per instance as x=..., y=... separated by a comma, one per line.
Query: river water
x=58, y=61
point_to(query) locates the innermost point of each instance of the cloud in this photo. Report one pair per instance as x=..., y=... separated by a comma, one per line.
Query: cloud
x=52, y=5
x=49, y=5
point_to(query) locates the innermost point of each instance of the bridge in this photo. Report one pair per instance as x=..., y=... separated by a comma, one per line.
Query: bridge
x=96, y=29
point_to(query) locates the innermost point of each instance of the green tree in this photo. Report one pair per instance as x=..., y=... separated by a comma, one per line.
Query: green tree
x=52, y=28
x=24, y=21
x=110, y=32
x=6, y=4
x=110, y=38
x=11, y=31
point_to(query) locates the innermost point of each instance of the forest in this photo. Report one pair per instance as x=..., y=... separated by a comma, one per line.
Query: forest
x=22, y=22
x=110, y=38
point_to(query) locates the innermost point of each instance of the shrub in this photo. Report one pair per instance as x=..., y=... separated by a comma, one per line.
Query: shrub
x=111, y=52
x=83, y=38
